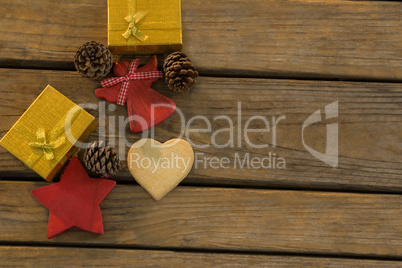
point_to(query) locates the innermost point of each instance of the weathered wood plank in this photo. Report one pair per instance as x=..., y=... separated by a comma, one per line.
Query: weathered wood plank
x=219, y=218
x=370, y=127
x=78, y=257
x=276, y=38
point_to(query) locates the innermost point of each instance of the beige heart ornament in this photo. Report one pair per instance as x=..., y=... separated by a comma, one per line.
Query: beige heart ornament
x=158, y=167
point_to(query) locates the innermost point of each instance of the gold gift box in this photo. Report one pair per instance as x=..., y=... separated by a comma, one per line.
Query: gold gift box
x=44, y=136
x=144, y=26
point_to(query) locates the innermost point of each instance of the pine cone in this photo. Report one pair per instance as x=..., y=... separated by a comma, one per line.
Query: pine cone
x=100, y=159
x=93, y=60
x=180, y=73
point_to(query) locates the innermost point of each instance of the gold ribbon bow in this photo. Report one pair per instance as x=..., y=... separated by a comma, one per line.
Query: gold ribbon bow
x=132, y=28
x=55, y=139
x=47, y=147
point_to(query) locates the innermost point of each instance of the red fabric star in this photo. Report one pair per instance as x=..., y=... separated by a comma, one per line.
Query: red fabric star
x=74, y=201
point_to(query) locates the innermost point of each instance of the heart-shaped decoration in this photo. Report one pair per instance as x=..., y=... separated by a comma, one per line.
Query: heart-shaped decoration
x=158, y=167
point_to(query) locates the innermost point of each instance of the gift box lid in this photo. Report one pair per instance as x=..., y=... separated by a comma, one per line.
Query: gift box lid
x=144, y=26
x=43, y=137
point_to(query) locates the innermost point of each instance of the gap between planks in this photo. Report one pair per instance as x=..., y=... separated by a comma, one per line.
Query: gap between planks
x=210, y=74
x=194, y=182
x=67, y=257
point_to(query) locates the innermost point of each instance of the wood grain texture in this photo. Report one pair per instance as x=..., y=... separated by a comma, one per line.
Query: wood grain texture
x=84, y=257
x=219, y=218
x=293, y=38
x=370, y=127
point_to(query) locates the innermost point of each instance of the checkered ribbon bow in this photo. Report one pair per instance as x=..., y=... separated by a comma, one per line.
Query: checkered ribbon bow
x=126, y=80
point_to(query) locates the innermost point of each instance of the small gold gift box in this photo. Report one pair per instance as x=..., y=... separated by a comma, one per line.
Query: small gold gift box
x=144, y=26
x=44, y=137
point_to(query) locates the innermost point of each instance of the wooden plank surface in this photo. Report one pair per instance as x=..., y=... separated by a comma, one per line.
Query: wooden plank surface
x=370, y=127
x=221, y=218
x=68, y=257
x=276, y=38
x=337, y=39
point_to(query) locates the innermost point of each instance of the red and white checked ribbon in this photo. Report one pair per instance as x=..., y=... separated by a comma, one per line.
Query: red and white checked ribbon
x=125, y=80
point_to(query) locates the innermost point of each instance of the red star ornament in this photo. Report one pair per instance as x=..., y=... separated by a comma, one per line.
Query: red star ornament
x=131, y=86
x=74, y=201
